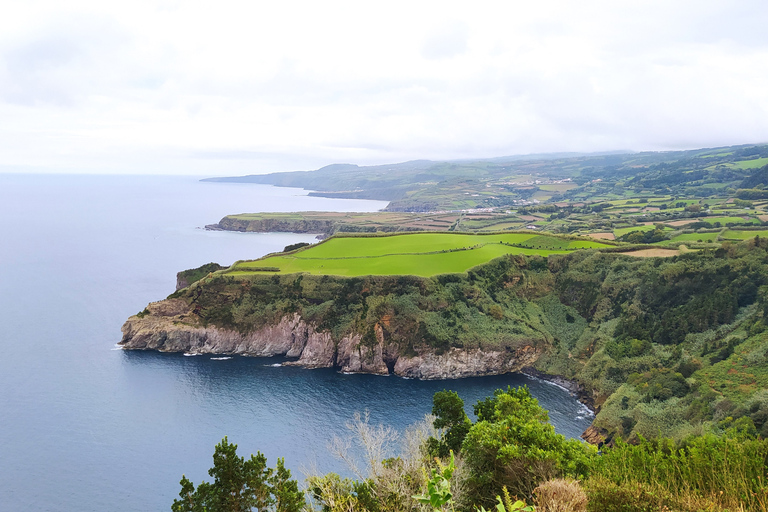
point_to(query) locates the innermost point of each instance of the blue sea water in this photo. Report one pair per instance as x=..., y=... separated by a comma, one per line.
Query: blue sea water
x=86, y=427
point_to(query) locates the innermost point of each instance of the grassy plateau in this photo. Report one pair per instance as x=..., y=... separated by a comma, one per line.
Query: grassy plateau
x=420, y=254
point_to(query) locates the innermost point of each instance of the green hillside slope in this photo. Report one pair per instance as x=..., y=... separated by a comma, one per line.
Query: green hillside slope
x=664, y=346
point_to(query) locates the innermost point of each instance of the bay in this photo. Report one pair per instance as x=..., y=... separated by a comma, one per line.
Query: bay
x=86, y=427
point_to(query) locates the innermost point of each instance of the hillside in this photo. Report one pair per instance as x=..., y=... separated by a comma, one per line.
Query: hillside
x=661, y=346
x=663, y=198
x=427, y=186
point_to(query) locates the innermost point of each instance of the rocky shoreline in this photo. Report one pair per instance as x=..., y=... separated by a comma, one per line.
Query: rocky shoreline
x=572, y=386
x=171, y=326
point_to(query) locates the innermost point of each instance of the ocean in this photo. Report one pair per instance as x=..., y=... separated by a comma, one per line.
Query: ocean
x=85, y=426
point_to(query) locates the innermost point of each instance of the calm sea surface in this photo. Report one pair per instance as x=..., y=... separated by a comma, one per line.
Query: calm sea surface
x=85, y=427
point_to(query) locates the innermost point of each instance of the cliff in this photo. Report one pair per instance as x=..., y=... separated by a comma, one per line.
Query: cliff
x=172, y=326
x=230, y=223
x=326, y=223
x=659, y=346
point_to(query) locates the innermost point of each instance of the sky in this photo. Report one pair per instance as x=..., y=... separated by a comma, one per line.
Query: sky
x=232, y=88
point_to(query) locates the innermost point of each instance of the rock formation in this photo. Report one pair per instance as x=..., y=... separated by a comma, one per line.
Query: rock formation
x=171, y=326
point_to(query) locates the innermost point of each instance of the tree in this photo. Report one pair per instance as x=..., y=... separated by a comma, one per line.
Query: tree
x=241, y=485
x=513, y=445
x=449, y=413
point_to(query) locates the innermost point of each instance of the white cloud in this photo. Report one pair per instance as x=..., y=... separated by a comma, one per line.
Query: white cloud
x=257, y=86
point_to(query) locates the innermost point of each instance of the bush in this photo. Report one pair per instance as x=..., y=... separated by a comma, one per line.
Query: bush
x=293, y=247
x=607, y=496
x=560, y=495
x=513, y=445
x=725, y=472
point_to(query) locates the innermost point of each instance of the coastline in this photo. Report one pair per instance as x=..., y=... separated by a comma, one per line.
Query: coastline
x=570, y=385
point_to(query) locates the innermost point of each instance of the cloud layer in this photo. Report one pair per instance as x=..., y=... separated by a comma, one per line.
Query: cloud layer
x=189, y=87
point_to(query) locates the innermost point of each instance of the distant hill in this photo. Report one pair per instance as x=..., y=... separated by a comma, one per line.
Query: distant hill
x=503, y=182
x=759, y=178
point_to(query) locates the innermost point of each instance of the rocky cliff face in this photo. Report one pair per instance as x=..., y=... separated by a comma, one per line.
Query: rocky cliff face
x=170, y=326
x=276, y=225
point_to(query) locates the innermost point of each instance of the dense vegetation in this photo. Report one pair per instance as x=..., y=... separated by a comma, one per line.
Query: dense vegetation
x=510, y=450
x=193, y=275
x=665, y=346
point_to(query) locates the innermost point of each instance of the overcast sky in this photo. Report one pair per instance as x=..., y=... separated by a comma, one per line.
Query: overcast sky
x=218, y=88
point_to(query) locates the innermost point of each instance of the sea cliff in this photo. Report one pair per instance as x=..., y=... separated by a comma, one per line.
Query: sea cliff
x=171, y=326
x=658, y=346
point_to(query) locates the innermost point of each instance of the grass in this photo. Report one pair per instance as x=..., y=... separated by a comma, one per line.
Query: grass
x=623, y=231
x=707, y=473
x=725, y=220
x=688, y=237
x=732, y=234
x=751, y=164
x=558, y=187
x=421, y=254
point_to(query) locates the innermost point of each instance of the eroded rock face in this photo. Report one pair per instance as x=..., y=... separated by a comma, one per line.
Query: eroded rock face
x=170, y=326
x=275, y=225
x=595, y=435
x=457, y=363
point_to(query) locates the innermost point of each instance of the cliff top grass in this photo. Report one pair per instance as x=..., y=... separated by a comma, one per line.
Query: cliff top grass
x=419, y=254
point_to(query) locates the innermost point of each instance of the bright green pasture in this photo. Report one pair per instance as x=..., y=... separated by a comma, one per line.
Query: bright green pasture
x=732, y=234
x=688, y=237
x=346, y=247
x=423, y=254
x=725, y=220
x=503, y=225
x=751, y=164
x=642, y=227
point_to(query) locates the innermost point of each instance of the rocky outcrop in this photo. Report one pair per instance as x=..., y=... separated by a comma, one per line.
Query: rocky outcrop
x=457, y=363
x=597, y=436
x=275, y=225
x=572, y=386
x=171, y=326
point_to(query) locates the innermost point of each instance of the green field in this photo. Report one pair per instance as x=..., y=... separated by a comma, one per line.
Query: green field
x=751, y=164
x=732, y=234
x=725, y=220
x=558, y=187
x=421, y=254
x=688, y=237
x=641, y=227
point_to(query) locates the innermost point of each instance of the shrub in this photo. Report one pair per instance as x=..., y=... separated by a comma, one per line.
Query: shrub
x=560, y=495
x=513, y=445
x=607, y=496
x=727, y=472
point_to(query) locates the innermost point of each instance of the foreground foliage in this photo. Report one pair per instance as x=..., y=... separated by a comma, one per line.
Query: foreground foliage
x=509, y=457
x=513, y=446
x=241, y=485
x=717, y=472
